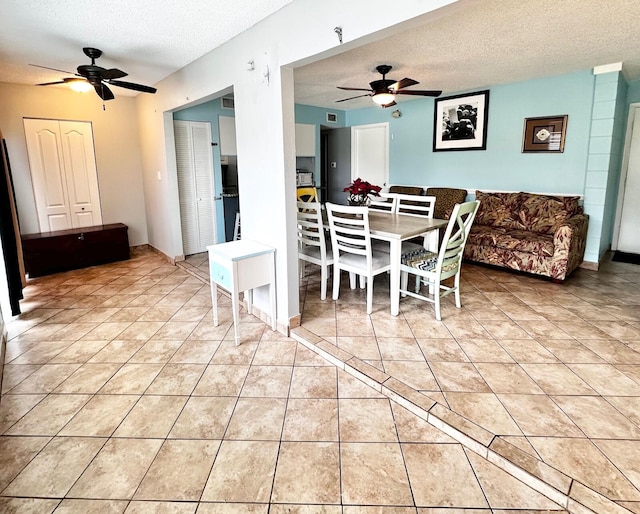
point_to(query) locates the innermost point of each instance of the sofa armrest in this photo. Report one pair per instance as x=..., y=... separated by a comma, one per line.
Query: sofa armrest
x=569, y=240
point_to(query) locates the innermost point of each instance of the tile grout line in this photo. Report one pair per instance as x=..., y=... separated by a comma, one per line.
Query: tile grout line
x=524, y=476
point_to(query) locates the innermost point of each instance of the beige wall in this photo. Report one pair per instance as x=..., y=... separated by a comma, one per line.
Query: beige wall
x=115, y=133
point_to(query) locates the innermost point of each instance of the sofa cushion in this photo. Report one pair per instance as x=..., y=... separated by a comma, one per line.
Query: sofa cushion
x=446, y=199
x=520, y=240
x=499, y=210
x=544, y=214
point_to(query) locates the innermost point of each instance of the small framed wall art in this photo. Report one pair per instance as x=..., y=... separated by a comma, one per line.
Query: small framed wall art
x=544, y=134
x=460, y=122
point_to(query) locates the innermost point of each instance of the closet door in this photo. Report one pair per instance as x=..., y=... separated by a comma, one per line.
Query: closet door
x=63, y=172
x=194, y=161
x=81, y=173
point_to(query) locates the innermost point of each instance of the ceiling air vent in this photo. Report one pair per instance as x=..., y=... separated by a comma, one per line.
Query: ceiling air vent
x=332, y=117
x=227, y=102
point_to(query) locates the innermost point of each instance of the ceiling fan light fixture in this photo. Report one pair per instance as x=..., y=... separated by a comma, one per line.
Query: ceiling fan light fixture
x=383, y=99
x=80, y=86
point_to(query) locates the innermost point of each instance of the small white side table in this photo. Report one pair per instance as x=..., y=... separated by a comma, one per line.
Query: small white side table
x=242, y=266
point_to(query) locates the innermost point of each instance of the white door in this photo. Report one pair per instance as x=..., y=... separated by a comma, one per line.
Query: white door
x=370, y=153
x=64, y=174
x=194, y=161
x=629, y=211
x=227, y=127
x=81, y=173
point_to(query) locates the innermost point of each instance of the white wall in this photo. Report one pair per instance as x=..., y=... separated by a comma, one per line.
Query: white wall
x=115, y=133
x=299, y=33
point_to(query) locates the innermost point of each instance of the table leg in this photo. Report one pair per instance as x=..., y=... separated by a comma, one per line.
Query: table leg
x=272, y=296
x=235, y=299
x=214, y=302
x=394, y=276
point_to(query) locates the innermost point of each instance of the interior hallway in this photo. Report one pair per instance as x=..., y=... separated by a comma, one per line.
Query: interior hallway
x=117, y=382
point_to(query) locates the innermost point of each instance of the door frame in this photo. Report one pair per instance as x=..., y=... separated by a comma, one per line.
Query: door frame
x=623, y=173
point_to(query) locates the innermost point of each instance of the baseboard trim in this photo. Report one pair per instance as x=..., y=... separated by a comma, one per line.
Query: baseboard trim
x=170, y=260
x=589, y=265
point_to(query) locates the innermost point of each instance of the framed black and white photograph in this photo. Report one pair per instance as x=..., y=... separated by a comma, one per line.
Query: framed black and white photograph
x=544, y=134
x=460, y=122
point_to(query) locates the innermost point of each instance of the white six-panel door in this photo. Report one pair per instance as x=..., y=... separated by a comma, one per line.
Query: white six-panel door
x=64, y=174
x=194, y=161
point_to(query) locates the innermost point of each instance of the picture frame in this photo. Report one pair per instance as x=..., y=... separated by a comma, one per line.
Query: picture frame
x=544, y=134
x=460, y=122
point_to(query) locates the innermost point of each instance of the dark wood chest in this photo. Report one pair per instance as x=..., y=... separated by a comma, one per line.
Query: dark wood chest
x=51, y=252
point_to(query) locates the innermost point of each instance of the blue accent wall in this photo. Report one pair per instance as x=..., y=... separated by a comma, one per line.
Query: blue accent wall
x=502, y=165
x=210, y=111
x=597, y=107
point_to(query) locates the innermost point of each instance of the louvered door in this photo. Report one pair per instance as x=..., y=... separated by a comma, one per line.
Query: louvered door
x=195, y=184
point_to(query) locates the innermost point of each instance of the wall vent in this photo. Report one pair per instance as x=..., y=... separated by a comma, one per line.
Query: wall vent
x=332, y=117
x=227, y=102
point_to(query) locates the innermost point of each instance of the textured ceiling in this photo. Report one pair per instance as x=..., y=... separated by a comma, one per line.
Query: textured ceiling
x=148, y=39
x=475, y=44
x=485, y=43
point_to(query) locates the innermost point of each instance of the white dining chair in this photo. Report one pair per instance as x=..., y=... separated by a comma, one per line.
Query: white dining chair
x=415, y=205
x=434, y=267
x=385, y=202
x=352, y=251
x=312, y=244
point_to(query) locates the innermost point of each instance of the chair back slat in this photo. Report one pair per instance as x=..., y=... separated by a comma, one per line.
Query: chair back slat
x=415, y=205
x=349, y=227
x=309, y=226
x=386, y=202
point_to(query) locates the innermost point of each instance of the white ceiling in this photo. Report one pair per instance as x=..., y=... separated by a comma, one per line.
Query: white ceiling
x=477, y=44
x=148, y=39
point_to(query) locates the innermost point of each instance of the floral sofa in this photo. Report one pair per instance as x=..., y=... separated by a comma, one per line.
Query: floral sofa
x=544, y=235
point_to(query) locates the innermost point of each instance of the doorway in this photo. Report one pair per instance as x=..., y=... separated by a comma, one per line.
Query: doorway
x=335, y=163
x=628, y=213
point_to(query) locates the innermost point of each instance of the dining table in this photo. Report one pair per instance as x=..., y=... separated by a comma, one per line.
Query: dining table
x=396, y=228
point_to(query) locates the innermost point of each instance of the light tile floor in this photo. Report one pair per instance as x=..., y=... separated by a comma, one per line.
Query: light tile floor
x=120, y=396
x=546, y=376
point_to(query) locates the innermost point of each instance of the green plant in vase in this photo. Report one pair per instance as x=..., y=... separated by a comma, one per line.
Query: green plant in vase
x=359, y=191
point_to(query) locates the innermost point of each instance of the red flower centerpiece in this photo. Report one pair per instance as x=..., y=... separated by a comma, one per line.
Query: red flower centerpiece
x=359, y=191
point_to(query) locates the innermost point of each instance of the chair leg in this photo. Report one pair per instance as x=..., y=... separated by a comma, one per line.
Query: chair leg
x=369, y=294
x=362, y=281
x=323, y=282
x=436, y=299
x=404, y=280
x=352, y=280
x=457, y=291
x=336, y=282
x=301, y=264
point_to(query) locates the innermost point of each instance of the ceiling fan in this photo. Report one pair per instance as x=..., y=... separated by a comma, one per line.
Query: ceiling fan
x=384, y=90
x=100, y=78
